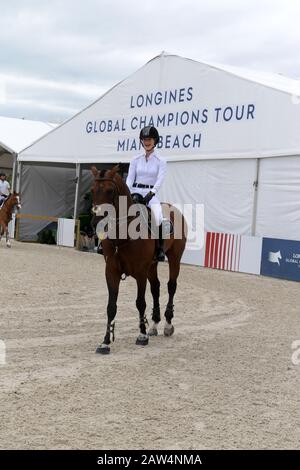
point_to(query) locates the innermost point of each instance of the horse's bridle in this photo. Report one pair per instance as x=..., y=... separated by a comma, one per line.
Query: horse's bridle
x=111, y=180
x=117, y=194
x=118, y=220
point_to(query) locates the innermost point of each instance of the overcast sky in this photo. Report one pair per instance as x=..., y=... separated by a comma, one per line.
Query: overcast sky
x=59, y=56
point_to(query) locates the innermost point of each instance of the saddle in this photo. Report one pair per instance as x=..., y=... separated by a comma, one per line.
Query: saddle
x=167, y=224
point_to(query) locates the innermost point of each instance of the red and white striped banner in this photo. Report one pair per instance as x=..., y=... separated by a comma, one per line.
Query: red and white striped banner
x=223, y=251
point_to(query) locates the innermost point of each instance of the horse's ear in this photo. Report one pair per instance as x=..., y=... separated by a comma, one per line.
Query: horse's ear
x=115, y=170
x=95, y=171
x=121, y=167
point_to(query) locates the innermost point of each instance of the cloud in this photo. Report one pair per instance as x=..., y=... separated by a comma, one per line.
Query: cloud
x=62, y=55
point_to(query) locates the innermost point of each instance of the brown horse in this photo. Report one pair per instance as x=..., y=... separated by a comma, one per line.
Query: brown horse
x=136, y=258
x=6, y=211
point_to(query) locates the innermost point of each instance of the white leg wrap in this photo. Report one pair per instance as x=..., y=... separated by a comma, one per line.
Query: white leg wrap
x=168, y=326
x=153, y=330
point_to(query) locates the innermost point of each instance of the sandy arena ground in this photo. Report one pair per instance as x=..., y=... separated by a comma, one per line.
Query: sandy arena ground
x=224, y=380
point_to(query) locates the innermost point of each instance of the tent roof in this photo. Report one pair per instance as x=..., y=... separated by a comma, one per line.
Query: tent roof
x=16, y=134
x=69, y=142
x=276, y=81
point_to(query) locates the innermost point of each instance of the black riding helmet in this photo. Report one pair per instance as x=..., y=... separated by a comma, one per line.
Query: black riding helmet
x=149, y=132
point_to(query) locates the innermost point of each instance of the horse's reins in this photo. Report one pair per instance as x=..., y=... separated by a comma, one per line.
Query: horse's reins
x=116, y=219
x=125, y=218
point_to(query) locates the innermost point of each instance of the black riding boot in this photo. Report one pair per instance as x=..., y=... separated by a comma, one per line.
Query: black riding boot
x=160, y=254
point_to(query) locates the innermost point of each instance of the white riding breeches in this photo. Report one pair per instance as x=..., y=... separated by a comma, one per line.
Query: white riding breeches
x=154, y=204
x=156, y=210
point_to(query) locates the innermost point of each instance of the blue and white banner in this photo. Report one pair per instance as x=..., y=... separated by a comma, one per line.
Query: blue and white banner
x=281, y=258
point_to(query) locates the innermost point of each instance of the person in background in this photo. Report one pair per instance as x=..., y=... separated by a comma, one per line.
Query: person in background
x=4, y=188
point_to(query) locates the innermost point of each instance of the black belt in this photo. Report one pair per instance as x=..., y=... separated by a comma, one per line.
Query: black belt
x=144, y=186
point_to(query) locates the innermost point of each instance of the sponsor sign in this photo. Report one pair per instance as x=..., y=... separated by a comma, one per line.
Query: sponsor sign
x=281, y=258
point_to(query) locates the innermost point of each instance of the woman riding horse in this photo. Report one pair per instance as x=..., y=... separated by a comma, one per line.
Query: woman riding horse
x=145, y=176
x=136, y=258
x=4, y=188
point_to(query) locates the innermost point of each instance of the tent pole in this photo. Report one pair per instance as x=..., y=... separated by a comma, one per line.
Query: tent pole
x=255, y=185
x=14, y=172
x=19, y=176
x=17, y=187
x=77, y=191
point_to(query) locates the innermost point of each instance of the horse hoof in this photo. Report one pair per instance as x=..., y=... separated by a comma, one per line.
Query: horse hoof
x=142, y=340
x=8, y=246
x=103, y=349
x=153, y=332
x=169, y=331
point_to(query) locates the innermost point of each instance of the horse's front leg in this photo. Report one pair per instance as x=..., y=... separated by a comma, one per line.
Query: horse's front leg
x=143, y=338
x=7, y=238
x=113, y=277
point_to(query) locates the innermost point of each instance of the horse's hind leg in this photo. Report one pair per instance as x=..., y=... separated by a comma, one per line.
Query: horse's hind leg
x=155, y=290
x=174, y=268
x=143, y=338
x=113, y=277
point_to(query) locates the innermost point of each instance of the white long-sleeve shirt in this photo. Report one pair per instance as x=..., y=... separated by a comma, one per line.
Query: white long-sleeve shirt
x=151, y=172
x=4, y=188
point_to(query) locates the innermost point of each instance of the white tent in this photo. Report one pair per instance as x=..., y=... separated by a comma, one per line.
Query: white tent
x=231, y=139
x=15, y=135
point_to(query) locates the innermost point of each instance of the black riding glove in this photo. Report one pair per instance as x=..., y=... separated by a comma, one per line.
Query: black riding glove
x=148, y=197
